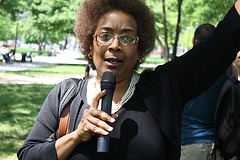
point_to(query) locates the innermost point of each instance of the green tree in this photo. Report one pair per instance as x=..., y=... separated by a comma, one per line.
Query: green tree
x=52, y=17
x=165, y=14
x=11, y=7
x=198, y=12
x=173, y=17
x=213, y=11
x=1, y=2
x=178, y=28
x=6, y=27
x=9, y=13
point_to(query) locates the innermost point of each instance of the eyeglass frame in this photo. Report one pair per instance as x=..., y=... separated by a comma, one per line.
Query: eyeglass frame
x=115, y=36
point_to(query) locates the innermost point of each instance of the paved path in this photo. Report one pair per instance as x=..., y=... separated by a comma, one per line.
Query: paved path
x=67, y=57
x=25, y=79
x=18, y=66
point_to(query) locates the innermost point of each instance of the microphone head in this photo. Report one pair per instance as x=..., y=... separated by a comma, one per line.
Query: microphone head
x=108, y=80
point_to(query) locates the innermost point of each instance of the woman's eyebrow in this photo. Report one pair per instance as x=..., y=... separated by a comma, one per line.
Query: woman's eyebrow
x=128, y=30
x=111, y=29
x=106, y=28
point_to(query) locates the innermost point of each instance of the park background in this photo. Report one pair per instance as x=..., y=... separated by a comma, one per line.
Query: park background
x=45, y=28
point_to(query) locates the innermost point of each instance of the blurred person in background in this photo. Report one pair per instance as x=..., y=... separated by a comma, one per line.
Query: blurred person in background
x=197, y=137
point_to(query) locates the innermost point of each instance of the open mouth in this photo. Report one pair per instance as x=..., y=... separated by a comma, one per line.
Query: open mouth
x=114, y=61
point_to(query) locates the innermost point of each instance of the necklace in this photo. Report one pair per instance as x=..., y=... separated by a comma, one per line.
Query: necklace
x=128, y=94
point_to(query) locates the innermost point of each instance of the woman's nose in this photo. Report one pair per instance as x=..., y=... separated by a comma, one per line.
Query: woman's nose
x=115, y=45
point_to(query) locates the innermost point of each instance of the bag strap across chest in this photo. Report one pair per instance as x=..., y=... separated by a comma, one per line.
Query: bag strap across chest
x=70, y=87
x=64, y=120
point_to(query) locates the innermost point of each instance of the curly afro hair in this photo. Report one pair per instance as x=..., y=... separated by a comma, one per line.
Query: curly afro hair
x=91, y=11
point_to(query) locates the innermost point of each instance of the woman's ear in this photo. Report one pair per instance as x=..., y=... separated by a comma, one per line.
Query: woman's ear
x=91, y=49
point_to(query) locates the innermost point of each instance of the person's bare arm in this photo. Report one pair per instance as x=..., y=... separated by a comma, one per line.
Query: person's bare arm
x=66, y=144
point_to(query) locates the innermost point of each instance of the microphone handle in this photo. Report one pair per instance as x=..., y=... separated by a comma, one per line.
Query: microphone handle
x=103, y=141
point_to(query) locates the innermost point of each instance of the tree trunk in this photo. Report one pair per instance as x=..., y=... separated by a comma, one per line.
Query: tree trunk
x=40, y=43
x=39, y=46
x=165, y=48
x=1, y=2
x=177, y=29
x=66, y=41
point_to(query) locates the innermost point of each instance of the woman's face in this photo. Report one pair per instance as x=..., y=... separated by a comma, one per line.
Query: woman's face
x=115, y=56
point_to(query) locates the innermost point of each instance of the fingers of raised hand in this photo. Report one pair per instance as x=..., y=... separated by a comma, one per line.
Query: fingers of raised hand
x=96, y=99
x=92, y=116
x=93, y=120
x=89, y=129
x=99, y=126
x=102, y=115
x=91, y=124
x=98, y=113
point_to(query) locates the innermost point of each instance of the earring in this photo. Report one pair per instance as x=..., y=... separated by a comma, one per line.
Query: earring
x=90, y=56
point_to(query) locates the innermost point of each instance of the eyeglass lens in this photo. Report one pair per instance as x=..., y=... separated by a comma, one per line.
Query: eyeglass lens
x=123, y=39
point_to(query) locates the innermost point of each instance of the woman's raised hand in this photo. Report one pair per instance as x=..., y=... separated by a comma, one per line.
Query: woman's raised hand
x=237, y=5
x=94, y=121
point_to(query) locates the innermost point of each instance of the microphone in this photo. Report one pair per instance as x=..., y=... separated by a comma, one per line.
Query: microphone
x=108, y=83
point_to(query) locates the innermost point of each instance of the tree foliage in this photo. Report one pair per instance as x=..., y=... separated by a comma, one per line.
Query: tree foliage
x=51, y=21
x=8, y=11
x=183, y=14
x=5, y=27
x=11, y=7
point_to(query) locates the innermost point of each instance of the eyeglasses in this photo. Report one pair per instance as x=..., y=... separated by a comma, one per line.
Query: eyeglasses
x=124, y=39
